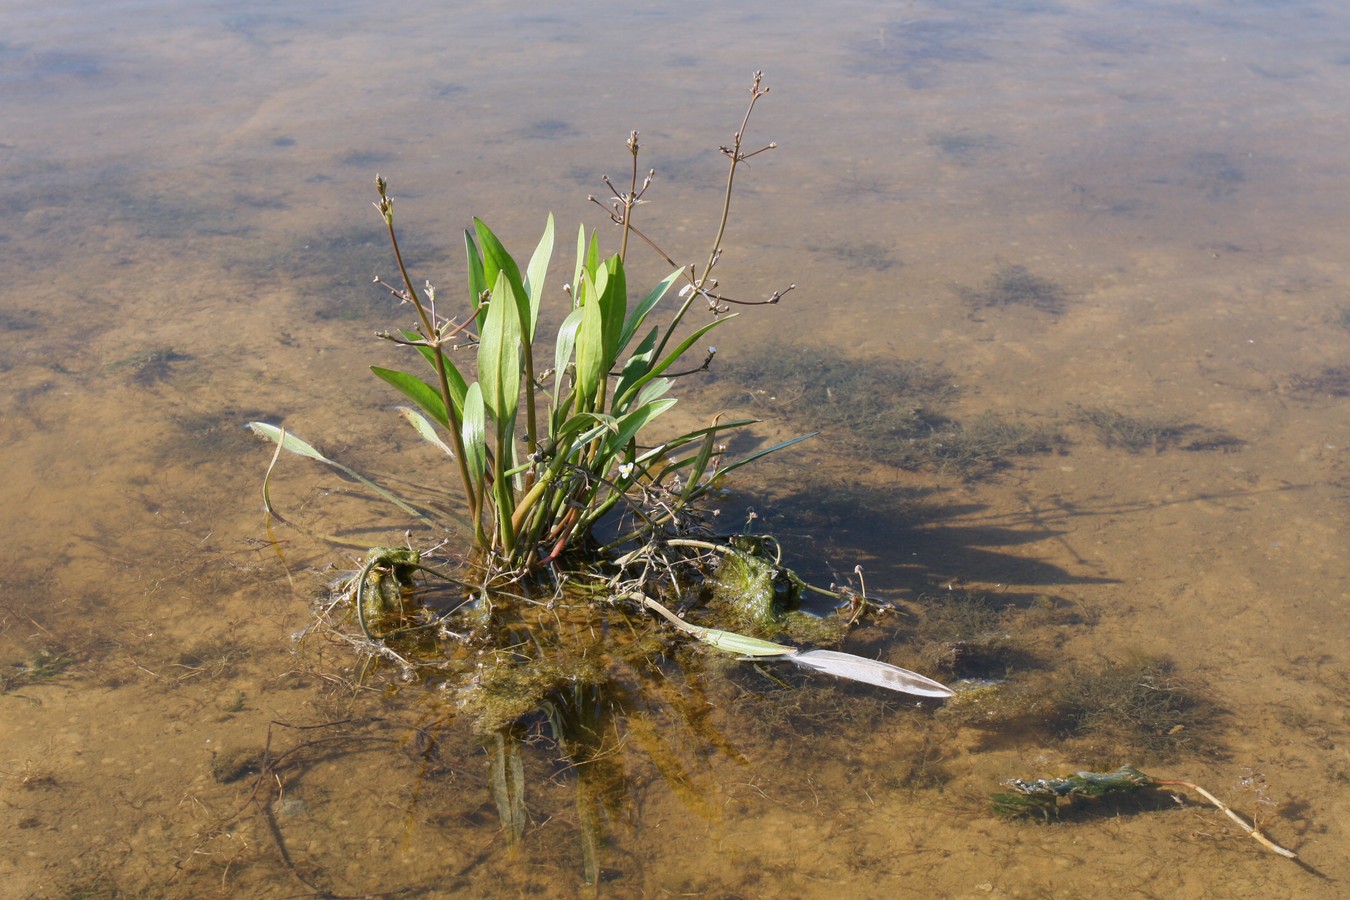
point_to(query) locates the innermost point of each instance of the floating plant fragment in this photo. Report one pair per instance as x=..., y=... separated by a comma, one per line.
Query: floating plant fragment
x=832, y=662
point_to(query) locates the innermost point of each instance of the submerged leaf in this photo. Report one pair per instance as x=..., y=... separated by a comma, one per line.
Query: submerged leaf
x=729, y=641
x=294, y=445
x=424, y=427
x=871, y=671
x=287, y=441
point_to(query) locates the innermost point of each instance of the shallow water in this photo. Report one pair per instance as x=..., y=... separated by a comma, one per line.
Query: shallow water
x=188, y=246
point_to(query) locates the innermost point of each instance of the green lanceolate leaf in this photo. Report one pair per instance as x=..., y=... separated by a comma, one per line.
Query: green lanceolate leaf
x=582, y=428
x=613, y=306
x=427, y=398
x=842, y=665
x=632, y=424
x=497, y=261
x=565, y=344
x=729, y=641
x=499, y=355
x=590, y=345
x=657, y=387
x=288, y=441
x=581, y=264
x=644, y=306
x=701, y=461
x=474, y=433
x=534, y=275
x=562, y=358
x=477, y=281
x=452, y=374
x=672, y=357
x=593, y=255
x=637, y=366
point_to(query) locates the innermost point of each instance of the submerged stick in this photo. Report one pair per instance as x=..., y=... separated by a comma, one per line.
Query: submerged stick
x=1227, y=811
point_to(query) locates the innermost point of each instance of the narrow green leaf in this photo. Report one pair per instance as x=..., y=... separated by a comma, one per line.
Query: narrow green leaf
x=657, y=387
x=614, y=305
x=452, y=374
x=636, y=366
x=701, y=461
x=593, y=255
x=499, y=355
x=424, y=427
x=632, y=424
x=673, y=356
x=293, y=444
x=288, y=441
x=583, y=428
x=535, y=273
x=590, y=345
x=741, y=644
x=566, y=342
x=496, y=260
x=562, y=357
x=474, y=433
x=418, y=391
x=689, y=438
x=729, y=641
x=477, y=281
x=644, y=306
x=581, y=265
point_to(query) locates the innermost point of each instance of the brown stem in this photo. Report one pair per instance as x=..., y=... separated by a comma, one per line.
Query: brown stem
x=1226, y=810
x=386, y=208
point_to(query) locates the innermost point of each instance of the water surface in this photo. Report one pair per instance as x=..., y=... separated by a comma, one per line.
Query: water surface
x=1064, y=208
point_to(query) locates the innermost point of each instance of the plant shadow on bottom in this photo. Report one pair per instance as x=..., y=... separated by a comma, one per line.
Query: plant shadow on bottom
x=888, y=411
x=909, y=539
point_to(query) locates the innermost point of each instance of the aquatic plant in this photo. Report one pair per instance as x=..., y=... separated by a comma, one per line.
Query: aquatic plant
x=1043, y=796
x=1129, y=432
x=1014, y=285
x=582, y=520
x=543, y=453
x=1136, y=434
x=1332, y=381
x=544, y=456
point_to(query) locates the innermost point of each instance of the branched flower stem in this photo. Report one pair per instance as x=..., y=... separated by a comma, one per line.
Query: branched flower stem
x=700, y=283
x=434, y=340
